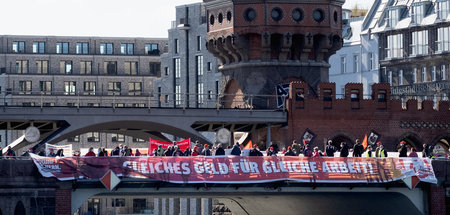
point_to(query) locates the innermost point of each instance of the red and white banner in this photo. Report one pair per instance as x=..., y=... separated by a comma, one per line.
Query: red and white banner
x=182, y=145
x=228, y=170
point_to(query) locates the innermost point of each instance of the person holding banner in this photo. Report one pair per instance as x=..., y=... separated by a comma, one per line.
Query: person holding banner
x=368, y=152
x=220, y=151
x=195, y=151
x=206, y=151
x=51, y=153
x=177, y=152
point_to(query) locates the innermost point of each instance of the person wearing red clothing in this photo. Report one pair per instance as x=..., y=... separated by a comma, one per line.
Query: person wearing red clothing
x=195, y=151
x=138, y=153
x=90, y=153
x=316, y=152
x=413, y=153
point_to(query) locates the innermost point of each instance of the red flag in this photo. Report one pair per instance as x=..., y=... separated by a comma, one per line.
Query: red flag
x=364, y=142
x=249, y=145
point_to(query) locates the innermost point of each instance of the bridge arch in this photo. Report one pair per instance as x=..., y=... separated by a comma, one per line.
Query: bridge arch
x=231, y=98
x=441, y=144
x=134, y=128
x=342, y=136
x=412, y=141
x=20, y=209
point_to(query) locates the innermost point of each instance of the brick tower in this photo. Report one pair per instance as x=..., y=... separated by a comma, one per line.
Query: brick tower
x=262, y=43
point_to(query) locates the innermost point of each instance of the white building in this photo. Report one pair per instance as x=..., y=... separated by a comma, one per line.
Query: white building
x=357, y=60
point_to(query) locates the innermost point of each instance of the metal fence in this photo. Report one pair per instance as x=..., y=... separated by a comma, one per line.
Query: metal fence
x=138, y=99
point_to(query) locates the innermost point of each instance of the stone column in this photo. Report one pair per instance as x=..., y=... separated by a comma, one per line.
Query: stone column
x=164, y=206
x=196, y=206
x=157, y=204
x=206, y=206
x=185, y=206
x=174, y=206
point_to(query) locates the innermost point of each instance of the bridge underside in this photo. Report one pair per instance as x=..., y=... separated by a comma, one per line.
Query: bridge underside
x=277, y=198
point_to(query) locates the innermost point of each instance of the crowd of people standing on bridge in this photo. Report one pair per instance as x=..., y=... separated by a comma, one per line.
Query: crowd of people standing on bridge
x=295, y=149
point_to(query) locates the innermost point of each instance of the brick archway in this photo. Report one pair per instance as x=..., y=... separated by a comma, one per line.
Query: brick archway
x=412, y=141
x=338, y=139
x=233, y=95
x=441, y=144
x=19, y=209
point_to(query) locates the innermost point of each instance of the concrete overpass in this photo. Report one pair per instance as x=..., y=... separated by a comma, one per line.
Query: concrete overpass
x=59, y=123
x=21, y=182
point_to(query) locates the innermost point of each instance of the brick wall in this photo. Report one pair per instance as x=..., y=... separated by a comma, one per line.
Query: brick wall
x=437, y=201
x=63, y=198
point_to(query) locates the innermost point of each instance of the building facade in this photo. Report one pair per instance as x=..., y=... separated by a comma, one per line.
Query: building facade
x=79, y=71
x=357, y=60
x=414, y=48
x=189, y=72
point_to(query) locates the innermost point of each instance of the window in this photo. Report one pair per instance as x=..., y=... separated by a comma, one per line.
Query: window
x=127, y=48
x=355, y=63
x=177, y=67
x=424, y=75
x=210, y=92
x=70, y=87
x=151, y=49
x=74, y=139
x=415, y=75
x=137, y=140
x=177, y=46
x=134, y=88
x=85, y=67
x=131, y=68
x=42, y=66
x=443, y=41
x=45, y=87
x=370, y=61
x=82, y=48
x=155, y=69
x=106, y=48
x=419, y=43
x=93, y=104
x=390, y=78
x=93, y=137
x=400, y=77
x=110, y=67
x=166, y=71
x=117, y=138
x=18, y=47
x=62, y=48
x=199, y=43
x=200, y=91
x=443, y=8
x=114, y=88
x=177, y=95
x=417, y=13
x=199, y=62
x=28, y=104
x=22, y=66
x=38, y=47
x=139, y=206
x=209, y=67
x=89, y=87
x=166, y=98
x=24, y=87
x=138, y=105
x=343, y=65
x=433, y=74
x=65, y=67
x=118, y=203
x=394, y=46
x=393, y=17
x=443, y=73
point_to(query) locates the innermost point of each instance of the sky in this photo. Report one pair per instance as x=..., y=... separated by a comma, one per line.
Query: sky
x=114, y=18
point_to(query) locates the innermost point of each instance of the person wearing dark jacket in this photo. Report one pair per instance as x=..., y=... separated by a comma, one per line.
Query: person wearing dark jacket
x=330, y=149
x=169, y=151
x=187, y=152
x=344, y=150
x=290, y=152
x=403, y=151
x=271, y=152
x=426, y=151
x=116, y=152
x=236, y=151
x=206, y=151
x=220, y=150
x=177, y=152
x=255, y=151
x=357, y=149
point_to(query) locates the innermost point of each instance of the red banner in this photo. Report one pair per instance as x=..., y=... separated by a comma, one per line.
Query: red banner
x=201, y=169
x=183, y=144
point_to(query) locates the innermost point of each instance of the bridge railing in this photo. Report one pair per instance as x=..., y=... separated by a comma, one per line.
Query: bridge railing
x=139, y=99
